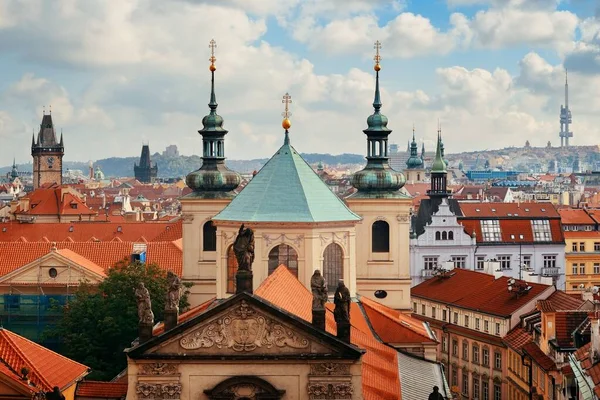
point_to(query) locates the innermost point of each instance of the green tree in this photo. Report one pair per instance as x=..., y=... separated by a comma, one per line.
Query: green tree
x=101, y=321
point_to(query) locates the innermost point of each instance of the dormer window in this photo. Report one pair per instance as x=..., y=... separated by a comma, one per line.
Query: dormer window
x=490, y=229
x=74, y=206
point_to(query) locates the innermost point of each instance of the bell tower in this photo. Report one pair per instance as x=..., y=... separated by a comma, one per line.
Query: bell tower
x=47, y=154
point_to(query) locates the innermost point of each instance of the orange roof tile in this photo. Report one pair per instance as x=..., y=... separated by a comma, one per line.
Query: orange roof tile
x=476, y=291
x=80, y=260
x=575, y=216
x=513, y=230
x=517, y=337
x=501, y=210
x=16, y=379
x=380, y=376
x=46, y=368
x=103, y=390
x=582, y=234
x=54, y=200
x=559, y=300
x=541, y=359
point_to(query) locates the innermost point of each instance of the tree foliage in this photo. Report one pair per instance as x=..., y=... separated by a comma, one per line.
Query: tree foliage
x=101, y=321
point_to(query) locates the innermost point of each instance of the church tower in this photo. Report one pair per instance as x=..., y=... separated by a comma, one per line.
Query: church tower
x=382, y=258
x=439, y=173
x=212, y=187
x=415, y=172
x=47, y=154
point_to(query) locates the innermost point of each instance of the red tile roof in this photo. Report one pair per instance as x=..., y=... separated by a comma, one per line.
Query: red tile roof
x=46, y=368
x=516, y=338
x=582, y=234
x=512, y=229
x=16, y=380
x=539, y=357
x=54, y=200
x=85, y=231
x=502, y=210
x=82, y=261
x=575, y=216
x=102, y=390
x=559, y=300
x=380, y=377
x=476, y=291
x=591, y=369
x=565, y=324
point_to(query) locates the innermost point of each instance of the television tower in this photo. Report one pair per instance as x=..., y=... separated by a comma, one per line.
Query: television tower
x=565, y=117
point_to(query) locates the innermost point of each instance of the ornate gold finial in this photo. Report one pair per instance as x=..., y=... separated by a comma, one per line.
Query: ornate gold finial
x=287, y=100
x=377, y=57
x=213, y=45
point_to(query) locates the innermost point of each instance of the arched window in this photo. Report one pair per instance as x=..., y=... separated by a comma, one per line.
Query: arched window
x=418, y=177
x=438, y=235
x=286, y=255
x=380, y=237
x=444, y=235
x=333, y=266
x=450, y=235
x=232, y=267
x=209, y=236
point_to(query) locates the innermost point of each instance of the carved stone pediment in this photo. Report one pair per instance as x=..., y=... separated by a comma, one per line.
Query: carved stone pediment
x=242, y=329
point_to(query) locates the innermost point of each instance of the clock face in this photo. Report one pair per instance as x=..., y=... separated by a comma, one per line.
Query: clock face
x=50, y=161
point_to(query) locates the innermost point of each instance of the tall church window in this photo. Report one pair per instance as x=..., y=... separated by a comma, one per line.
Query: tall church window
x=283, y=254
x=209, y=236
x=380, y=237
x=438, y=235
x=232, y=267
x=450, y=235
x=444, y=235
x=333, y=265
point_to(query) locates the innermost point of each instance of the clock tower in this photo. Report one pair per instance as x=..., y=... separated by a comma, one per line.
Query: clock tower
x=47, y=154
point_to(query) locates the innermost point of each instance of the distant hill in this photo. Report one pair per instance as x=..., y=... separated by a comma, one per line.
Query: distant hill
x=170, y=167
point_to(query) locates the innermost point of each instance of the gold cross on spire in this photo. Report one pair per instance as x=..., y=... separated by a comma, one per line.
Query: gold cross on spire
x=377, y=57
x=287, y=100
x=213, y=45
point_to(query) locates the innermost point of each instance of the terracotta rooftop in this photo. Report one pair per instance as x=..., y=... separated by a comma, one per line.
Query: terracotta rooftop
x=582, y=234
x=476, y=291
x=509, y=210
x=575, y=216
x=591, y=369
x=517, y=337
x=540, y=358
x=46, y=368
x=54, y=200
x=559, y=300
x=90, y=231
x=102, y=390
x=565, y=324
x=517, y=230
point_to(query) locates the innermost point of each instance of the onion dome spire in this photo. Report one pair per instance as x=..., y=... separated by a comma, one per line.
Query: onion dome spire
x=286, y=114
x=377, y=179
x=213, y=179
x=414, y=161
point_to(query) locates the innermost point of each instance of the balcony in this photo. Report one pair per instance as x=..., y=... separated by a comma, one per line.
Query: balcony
x=427, y=273
x=553, y=271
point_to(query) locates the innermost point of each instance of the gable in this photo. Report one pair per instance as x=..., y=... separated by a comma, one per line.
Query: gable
x=245, y=327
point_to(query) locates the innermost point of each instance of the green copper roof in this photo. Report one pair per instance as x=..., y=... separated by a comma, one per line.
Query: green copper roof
x=286, y=189
x=438, y=164
x=414, y=161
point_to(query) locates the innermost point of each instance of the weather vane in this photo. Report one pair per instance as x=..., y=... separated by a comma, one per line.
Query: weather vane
x=212, y=59
x=377, y=57
x=287, y=100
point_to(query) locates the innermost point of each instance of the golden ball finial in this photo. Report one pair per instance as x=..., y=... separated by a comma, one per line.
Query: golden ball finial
x=286, y=124
x=212, y=67
x=377, y=67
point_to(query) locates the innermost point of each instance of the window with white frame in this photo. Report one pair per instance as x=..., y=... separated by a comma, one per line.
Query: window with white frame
x=550, y=261
x=490, y=230
x=465, y=384
x=422, y=309
x=582, y=269
x=581, y=246
x=526, y=261
x=456, y=318
x=486, y=326
x=596, y=246
x=433, y=312
x=476, y=354
x=466, y=321
x=485, y=390
x=459, y=261
x=475, y=387
x=480, y=262
x=504, y=262
x=541, y=230
x=574, y=247
x=477, y=323
x=465, y=350
x=485, y=360
x=497, y=392
x=596, y=268
x=497, y=328
x=430, y=262
x=575, y=269
x=444, y=344
x=444, y=315
x=498, y=361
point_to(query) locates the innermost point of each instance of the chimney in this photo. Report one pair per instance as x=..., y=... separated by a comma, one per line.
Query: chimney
x=595, y=335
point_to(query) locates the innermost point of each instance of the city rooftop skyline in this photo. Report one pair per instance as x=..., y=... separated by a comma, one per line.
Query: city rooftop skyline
x=120, y=74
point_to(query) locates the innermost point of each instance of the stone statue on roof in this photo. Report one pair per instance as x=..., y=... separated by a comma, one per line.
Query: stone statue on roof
x=318, y=287
x=342, y=300
x=173, y=292
x=144, y=305
x=243, y=247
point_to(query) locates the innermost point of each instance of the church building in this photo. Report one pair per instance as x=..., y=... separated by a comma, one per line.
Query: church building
x=47, y=153
x=145, y=172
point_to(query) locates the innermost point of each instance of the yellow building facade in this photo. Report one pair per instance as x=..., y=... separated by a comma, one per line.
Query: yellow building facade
x=582, y=264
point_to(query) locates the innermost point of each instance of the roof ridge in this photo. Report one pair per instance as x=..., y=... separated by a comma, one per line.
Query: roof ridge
x=23, y=357
x=395, y=319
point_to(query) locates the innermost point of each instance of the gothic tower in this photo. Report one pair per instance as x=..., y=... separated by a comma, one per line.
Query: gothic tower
x=145, y=172
x=382, y=269
x=47, y=154
x=414, y=171
x=213, y=186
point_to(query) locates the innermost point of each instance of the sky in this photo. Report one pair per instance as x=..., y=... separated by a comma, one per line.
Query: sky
x=121, y=73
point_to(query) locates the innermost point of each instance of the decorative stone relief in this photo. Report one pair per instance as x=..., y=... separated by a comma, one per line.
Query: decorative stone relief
x=243, y=329
x=325, y=390
x=330, y=368
x=335, y=238
x=402, y=217
x=158, y=368
x=282, y=237
x=228, y=237
x=151, y=391
x=187, y=218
